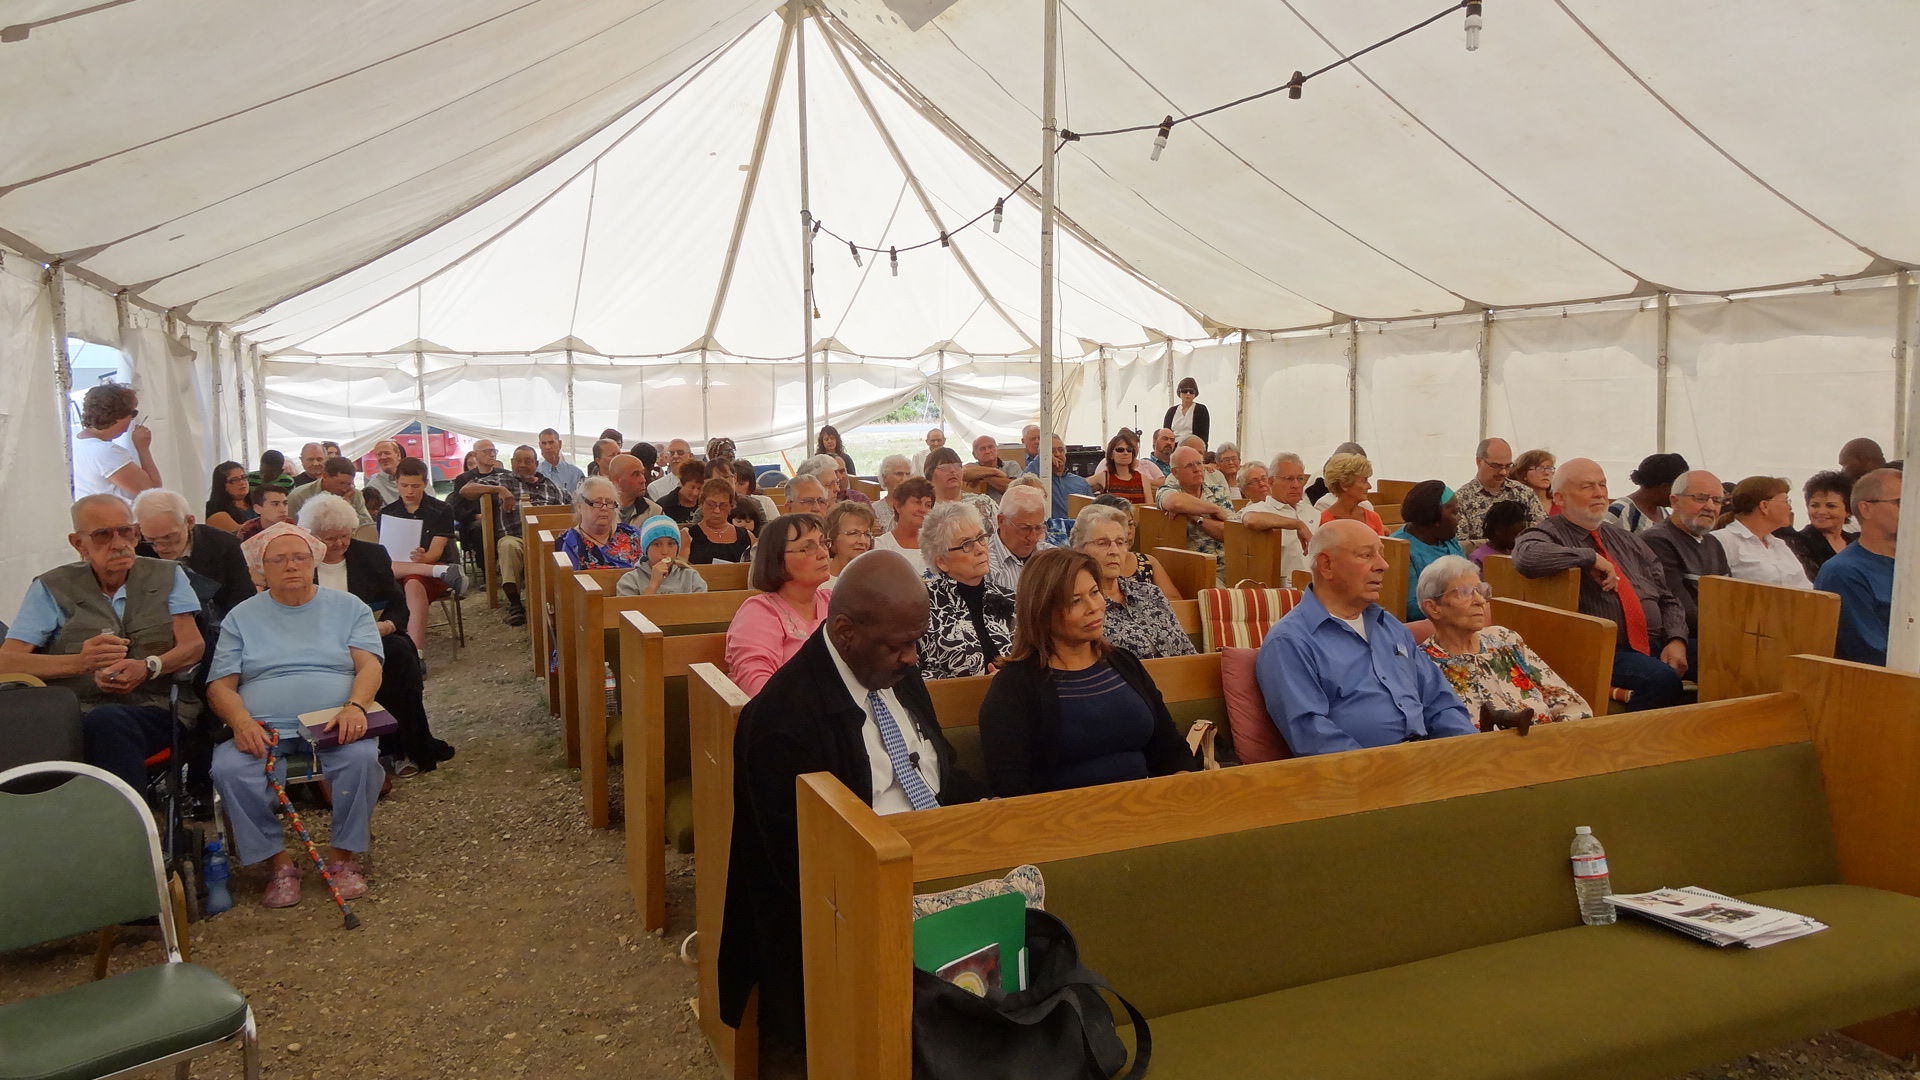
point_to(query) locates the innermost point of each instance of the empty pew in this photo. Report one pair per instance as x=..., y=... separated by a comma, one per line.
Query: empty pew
x=1189, y=571
x=1390, y=492
x=1394, y=587
x=1364, y=964
x=1561, y=590
x=1189, y=684
x=1747, y=630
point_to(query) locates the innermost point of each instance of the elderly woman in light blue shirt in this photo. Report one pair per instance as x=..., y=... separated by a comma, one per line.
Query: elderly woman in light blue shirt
x=295, y=648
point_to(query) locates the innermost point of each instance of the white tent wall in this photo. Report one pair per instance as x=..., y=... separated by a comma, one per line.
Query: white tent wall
x=1217, y=369
x=32, y=435
x=354, y=401
x=1297, y=396
x=1418, y=389
x=1137, y=387
x=1581, y=384
x=175, y=402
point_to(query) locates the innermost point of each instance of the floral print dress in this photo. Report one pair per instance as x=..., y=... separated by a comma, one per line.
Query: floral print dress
x=1507, y=675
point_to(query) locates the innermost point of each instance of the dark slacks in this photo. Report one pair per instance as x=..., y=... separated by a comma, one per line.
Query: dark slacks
x=119, y=739
x=403, y=693
x=1654, y=684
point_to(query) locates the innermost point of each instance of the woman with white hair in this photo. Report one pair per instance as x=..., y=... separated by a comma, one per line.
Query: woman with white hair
x=1139, y=619
x=969, y=619
x=598, y=536
x=1486, y=664
x=893, y=469
x=293, y=649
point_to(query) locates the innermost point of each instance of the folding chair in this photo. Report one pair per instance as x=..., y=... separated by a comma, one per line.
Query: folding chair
x=81, y=856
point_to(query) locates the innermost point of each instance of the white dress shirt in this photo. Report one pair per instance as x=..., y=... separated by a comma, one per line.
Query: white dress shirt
x=1765, y=559
x=888, y=796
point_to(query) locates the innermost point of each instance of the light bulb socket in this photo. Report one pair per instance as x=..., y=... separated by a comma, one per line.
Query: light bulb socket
x=999, y=207
x=1296, y=84
x=1160, y=137
x=893, y=259
x=856, y=252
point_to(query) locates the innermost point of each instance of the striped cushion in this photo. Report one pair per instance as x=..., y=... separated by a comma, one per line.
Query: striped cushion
x=1240, y=618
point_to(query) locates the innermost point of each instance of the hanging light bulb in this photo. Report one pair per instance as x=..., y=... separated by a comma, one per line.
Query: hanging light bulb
x=1295, y=84
x=856, y=252
x=1473, y=25
x=999, y=208
x=893, y=257
x=944, y=242
x=1160, y=139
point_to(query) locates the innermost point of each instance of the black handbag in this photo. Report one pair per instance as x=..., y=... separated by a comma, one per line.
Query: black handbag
x=1059, y=1028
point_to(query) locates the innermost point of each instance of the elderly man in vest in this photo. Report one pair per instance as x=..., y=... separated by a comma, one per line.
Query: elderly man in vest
x=111, y=628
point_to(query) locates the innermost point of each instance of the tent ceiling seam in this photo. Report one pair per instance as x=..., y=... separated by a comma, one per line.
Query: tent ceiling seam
x=703, y=64
x=384, y=132
x=257, y=106
x=1244, y=163
x=926, y=204
x=580, y=270
x=775, y=78
x=1707, y=139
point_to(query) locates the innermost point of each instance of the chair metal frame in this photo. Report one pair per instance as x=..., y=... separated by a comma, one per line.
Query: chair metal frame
x=247, y=1033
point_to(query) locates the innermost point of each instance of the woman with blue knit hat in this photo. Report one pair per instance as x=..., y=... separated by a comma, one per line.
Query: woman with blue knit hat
x=660, y=572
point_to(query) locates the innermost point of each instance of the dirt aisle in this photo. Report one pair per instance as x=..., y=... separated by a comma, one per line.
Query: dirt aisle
x=498, y=939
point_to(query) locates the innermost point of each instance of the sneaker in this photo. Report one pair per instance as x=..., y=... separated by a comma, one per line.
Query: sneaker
x=516, y=612
x=456, y=579
x=347, y=880
x=283, y=888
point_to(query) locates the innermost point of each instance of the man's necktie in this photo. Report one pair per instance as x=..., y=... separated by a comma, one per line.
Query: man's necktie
x=1634, y=615
x=919, y=795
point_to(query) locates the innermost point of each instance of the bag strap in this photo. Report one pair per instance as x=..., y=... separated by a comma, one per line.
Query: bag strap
x=1142, y=1034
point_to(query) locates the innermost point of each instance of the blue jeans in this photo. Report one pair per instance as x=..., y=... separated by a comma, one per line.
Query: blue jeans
x=1654, y=684
x=353, y=770
x=120, y=737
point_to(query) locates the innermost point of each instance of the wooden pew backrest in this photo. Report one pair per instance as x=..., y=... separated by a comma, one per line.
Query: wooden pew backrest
x=1391, y=492
x=713, y=705
x=1579, y=648
x=1394, y=587
x=1255, y=556
x=1561, y=590
x=1747, y=630
x=1188, y=571
x=1156, y=528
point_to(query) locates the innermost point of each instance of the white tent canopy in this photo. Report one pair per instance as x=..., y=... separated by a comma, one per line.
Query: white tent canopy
x=503, y=214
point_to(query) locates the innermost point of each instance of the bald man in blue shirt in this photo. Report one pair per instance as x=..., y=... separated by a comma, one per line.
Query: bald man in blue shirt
x=1339, y=672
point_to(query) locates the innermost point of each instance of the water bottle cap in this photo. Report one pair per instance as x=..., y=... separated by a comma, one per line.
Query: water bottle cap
x=1582, y=830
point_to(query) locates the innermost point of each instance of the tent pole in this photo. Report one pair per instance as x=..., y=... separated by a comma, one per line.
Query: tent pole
x=260, y=401
x=1353, y=380
x=219, y=391
x=1486, y=370
x=1106, y=425
x=56, y=285
x=797, y=17
x=1663, y=337
x=1902, y=345
x=420, y=403
x=1903, y=631
x=1240, y=400
x=1049, y=170
x=939, y=390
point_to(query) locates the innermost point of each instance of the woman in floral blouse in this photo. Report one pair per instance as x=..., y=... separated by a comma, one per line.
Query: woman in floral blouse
x=1483, y=663
x=598, y=536
x=1139, y=619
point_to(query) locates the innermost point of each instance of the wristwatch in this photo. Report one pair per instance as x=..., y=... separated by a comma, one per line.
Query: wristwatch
x=153, y=667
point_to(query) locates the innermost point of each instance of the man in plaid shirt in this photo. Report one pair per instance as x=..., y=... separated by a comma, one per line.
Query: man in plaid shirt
x=522, y=487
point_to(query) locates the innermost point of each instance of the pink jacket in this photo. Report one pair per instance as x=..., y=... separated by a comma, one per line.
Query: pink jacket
x=764, y=634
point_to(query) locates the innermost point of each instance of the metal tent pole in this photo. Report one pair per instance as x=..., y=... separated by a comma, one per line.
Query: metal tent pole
x=1663, y=336
x=1902, y=345
x=1353, y=380
x=62, y=360
x=1903, y=631
x=1049, y=169
x=1486, y=371
x=1240, y=400
x=797, y=16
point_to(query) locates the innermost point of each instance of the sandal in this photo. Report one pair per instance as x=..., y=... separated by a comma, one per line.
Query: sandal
x=283, y=888
x=348, y=879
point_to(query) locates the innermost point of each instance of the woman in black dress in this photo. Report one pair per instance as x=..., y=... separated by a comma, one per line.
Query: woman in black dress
x=713, y=537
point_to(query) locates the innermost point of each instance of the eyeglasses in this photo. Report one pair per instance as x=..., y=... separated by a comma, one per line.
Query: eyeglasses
x=603, y=504
x=810, y=505
x=1895, y=501
x=1468, y=592
x=1024, y=530
x=297, y=558
x=1706, y=500
x=855, y=534
x=1498, y=467
x=1114, y=544
x=126, y=533
x=977, y=542
x=1292, y=478
x=804, y=547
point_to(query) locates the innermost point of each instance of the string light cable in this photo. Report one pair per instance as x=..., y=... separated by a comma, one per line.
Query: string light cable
x=1162, y=132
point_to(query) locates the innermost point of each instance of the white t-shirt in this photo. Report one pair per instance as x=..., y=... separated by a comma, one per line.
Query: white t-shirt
x=1292, y=555
x=93, y=461
x=333, y=575
x=1359, y=624
x=886, y=542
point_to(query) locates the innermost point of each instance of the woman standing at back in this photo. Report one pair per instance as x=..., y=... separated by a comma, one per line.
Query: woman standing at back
x=1189, y=417
x=1069, y=710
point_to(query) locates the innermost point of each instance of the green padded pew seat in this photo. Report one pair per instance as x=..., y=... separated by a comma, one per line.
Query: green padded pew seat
x=1622, y=1001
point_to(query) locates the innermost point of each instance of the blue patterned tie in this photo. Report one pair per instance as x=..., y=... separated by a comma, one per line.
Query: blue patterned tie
x=919, y=795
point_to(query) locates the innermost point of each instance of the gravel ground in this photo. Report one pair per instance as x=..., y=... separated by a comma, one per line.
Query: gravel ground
x=498, y=939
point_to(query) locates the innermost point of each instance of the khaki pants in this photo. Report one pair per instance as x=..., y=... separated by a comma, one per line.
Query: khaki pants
x=511, y=551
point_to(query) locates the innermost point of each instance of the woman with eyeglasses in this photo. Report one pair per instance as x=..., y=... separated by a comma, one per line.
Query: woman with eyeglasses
x=1120, y=474
x=1829, y=498
x=598, y=536
x=1761, y=506
x=944, y=472
x=1138, y=617
x=1534, y=469
x=789, y=575
x=713, y=537
x=969, y=619
x=1486, y=664
x=228, y=507
x=850, y=530
x=1146, y=568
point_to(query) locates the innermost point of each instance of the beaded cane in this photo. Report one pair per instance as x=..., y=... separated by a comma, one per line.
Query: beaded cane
x=352, y=921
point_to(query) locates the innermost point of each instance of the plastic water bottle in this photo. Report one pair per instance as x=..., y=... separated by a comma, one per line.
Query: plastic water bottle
x=1591, y=882
x=214, y=871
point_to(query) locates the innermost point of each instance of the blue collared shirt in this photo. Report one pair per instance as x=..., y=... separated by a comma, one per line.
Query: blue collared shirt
x=1329, y=690
x=565, y=474
x=1065, y=484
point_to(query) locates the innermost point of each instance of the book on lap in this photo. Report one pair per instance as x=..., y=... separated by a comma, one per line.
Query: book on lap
x=379, y=722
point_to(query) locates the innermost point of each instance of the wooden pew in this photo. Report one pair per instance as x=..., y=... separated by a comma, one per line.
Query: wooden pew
x=1394, y=587
x=1390, y=515
x=1156, y=528
x=1390, y=492
x=1747, y=630
x=858, y=870
x=1577, y=647
x=869, y=488
x=1190, y=571
x=649, y=657
x=1256, y=556
x=714, y=705
x=1561, y=590
x=1077, y=503
x=543, y=528
x=561, y=703
x=596, y=610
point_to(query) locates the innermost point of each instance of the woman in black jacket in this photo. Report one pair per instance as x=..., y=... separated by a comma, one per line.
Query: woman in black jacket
x=1189, y=417
x=1068, y=710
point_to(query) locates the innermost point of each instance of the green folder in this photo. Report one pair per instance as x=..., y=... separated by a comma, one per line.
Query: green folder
x=946, y=936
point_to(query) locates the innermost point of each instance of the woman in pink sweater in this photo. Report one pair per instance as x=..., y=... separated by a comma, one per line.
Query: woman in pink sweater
x=790, y=564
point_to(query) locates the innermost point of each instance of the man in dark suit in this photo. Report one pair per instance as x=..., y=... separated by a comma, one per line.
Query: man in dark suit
x=851, y=703
x=167, y=531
